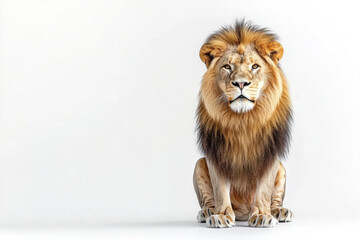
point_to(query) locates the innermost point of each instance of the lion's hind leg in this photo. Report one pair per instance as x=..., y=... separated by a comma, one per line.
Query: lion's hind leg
x=203, y=189
x=277, y=210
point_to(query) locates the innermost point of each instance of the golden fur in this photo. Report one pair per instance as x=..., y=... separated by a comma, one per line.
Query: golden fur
x=242, y=137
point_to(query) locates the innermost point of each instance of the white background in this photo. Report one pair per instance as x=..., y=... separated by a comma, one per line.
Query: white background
x=98, y=99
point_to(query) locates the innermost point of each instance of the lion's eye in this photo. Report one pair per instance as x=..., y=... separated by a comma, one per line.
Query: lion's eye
x=227, y=66
x=255, y=66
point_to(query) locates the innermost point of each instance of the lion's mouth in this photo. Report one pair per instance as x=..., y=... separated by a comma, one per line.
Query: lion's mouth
x=242, y=97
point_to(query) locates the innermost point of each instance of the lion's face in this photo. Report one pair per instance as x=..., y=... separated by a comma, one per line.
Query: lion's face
x=241, y=77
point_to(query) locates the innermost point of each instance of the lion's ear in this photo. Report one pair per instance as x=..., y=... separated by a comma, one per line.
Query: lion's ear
x=274, y=50
x=211, y=50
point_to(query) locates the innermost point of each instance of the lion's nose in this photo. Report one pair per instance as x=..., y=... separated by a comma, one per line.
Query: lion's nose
x=241, y=85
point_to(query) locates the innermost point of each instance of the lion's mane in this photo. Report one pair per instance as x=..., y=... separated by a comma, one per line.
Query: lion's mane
x=243, y=146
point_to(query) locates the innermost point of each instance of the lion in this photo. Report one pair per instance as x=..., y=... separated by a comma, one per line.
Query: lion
x=244, y=120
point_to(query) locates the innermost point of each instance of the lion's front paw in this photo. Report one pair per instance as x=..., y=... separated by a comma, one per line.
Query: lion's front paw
x=220, y=221
x=203, y=214
x=282, y=214
x=262, y=221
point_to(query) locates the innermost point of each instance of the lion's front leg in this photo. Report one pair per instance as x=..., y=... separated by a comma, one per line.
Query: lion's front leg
x=223, y=214
x=277, y=210
x=260, y=214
